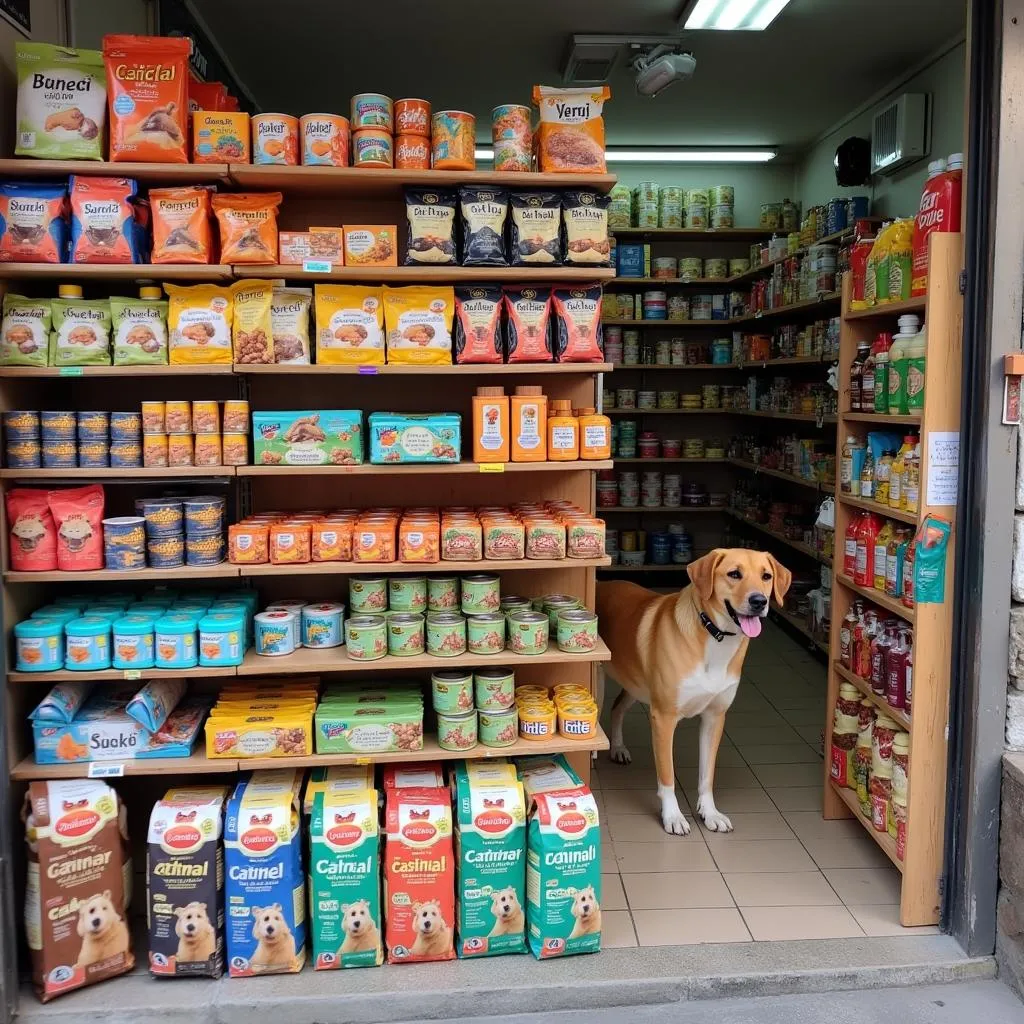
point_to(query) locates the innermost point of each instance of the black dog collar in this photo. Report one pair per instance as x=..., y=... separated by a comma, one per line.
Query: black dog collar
x=718, y=634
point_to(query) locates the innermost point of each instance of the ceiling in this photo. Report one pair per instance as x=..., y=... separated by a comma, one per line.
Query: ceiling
x=784, y=87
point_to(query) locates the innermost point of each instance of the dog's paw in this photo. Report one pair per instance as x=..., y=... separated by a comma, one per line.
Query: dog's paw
x=714, y=820
x=675, y=823
x=620, y=754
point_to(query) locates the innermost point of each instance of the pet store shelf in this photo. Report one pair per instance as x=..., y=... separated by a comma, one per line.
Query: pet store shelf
x=887, y=309
x=615, y=321
x=398, y=369
x=185, y=572
x=668, y=412
x=431, y=468
x=112, y=473
x=420, y=568
x=176, y=370
x=882, y=510
x=796, y=545
x=447, y=274
x=865, y=689
x=689, y=234
x=684, y=510
x=779, y=474
x=115, y=271
x=882, y=419
x=883, y=600
x=688, y=282
x=750, y=364
x=666, y=462
x=120, y=675
x=799, y=623
x=798, y=417
x=148, y=174
x=646, y=567
x=198, y=764
x=884, y=840
x=825, y=299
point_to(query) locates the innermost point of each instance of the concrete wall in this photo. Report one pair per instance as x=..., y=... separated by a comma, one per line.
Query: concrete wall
x=1010, y=918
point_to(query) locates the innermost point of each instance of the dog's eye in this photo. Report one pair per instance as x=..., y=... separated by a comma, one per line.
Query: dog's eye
x=734, y=574
x=766, y=576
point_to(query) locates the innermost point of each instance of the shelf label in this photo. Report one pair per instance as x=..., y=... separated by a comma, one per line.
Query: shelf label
x=364, y=760
x=492, y=467
x=371, y=371
x=106, y=770
x=132, y=673
x=316, y=266
x=72, y=371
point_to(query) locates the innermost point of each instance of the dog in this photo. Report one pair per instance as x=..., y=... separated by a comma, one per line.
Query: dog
x=197, y=939
x=275, y=944
x=682, y=655
x=360, y=929
x=508, y=913
x=102, y=930
x=587, y=912
x=433, y=936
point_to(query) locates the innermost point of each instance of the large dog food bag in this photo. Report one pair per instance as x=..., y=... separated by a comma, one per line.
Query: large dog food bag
x=563, y=874
x=185, y=883
x=490, y=850
x=266, y=891
x=78, y=886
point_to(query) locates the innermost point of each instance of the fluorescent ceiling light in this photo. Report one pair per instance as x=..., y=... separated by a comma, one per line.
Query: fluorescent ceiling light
x=675, y=156
x=734, y=15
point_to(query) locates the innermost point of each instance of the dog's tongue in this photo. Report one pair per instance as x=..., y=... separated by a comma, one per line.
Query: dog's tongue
x=750, y=624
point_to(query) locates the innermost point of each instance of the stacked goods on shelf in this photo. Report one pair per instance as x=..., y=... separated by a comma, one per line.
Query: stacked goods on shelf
x=878, y=649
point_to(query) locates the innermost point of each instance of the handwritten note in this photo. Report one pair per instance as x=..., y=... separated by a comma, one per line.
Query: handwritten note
x=943, y=467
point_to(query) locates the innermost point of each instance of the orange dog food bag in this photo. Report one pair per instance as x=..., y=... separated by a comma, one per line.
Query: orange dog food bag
x=571, y=135
x=147, y=96
x=181, y=225
x=248, y=226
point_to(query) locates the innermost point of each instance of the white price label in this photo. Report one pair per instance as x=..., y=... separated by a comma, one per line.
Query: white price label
x=106, y=770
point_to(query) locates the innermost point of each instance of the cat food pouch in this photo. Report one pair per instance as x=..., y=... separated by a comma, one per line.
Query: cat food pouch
x=62, y=102
x=252, y=330
x=535, y=234
x=419, y=324
x=578, y=328
x=289, y=321
x=81, y=330
x=478, y=324
x=25, y=331
x=181, y=224
x=484, y=211
x=349, y=324
x=32, y=533
x=199, y=318
x=103, y=220
x=147, y=95
x=78, y=515
x=248, y=226
x=431, y=217
x=140, y=329
x=570, y=137
x=529, y=315
x=33, y=222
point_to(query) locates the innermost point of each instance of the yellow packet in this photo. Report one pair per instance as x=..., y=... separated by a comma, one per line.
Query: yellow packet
x=199, y=319
x=419, y=324
x=252, y=333
x=349, y=324
x=900, y=260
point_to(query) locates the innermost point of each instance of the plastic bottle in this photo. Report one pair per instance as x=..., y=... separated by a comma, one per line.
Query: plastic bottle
x=878, y=556
x=883, y=474
x=867, y=476
x=595, y=435
x=857, y=375
x=850, y=544
x=880, y=398
x=897, y=475
x=910, y=498
x=529, y=424
x=939, y=210
x=490, y=425
x=916, y=355
x=850, y=466
x=563, y=432
x=864, y=573
x=898, y=359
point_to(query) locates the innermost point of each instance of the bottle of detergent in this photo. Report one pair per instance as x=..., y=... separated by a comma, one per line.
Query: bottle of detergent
x=939, y=211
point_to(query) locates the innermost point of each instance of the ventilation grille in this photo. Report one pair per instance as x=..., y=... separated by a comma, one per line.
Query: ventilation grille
x=899, y=133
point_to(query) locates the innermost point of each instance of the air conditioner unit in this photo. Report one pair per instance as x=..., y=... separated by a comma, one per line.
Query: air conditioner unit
x=899, y=133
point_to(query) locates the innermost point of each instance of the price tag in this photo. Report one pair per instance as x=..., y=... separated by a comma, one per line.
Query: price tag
x=106, y=770
x=316, y=266
x=492, y=467
x=132, y=673
x=72, y=371
x=369, y=370
x=363, y=760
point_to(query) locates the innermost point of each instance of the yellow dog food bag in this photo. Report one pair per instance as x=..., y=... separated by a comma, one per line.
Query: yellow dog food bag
x=252, y=330
x=419, y=324
x=199, y=317
x=349, y=325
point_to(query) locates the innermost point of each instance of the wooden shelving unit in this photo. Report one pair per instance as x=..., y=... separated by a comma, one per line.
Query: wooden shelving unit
x=933, y=623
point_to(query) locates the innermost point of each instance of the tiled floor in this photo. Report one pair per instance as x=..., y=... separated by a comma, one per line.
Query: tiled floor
x=785, y=872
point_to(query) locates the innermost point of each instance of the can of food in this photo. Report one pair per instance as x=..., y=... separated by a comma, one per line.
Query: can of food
x=668, y=400
x=696, y=216
x=716, y=269
x=443, y=593
x=577, y=720
x=322, y=625
x=366, y=637
x=711, y=396
x=691, y=268
x=407, y=593
x=236, y=416
x=274, y=632
x=59, y=454
x=494, y=689
x=406, y=633
x=678, y=310
x=512, y=601
x=485, y=634
x=207, y=450
x=701, y=307
x=771, y=216
x=625, y=398
x=326, y=140
x=647, y=399
x=372, y=110
x=21, y=425
x=372, y=147
x=663, y=352
x=367, y=594
x=93, y=426
x=127, y=426
x=538, y=720
x=626, y=305
x=456, y=732
x=498, y=729
x=655, y=305
x=577, y=631
x=453, y=135
x=23, y=454
x=664, y=266
x=412, y=117
x=452, y=692
x=480, y=593
x=177, y=417
x=57, y=425
x=275, y=139
x=412, y=153
x=93, y=454
x=446, y=634
x=646, y=214
x=179, y=450
x=528, y=632
x=512, y=135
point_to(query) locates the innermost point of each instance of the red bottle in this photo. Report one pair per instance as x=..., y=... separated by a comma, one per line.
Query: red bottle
x=896, y=672
x=850, y=544
x=880, y=648
x=907, y=596
x=864, y=572
x=909, y=679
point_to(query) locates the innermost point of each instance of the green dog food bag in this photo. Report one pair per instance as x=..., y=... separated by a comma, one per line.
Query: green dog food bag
x=25, y=331
x=140, y=328
x=81, y=329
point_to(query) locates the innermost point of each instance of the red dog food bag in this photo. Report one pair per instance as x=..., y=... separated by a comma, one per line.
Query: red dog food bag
x=478, y=324
x=33, y=222
x=578, y=330
x=529, y=334
x=103, y=220
x=78, y=515
x=33, y=536
x=419, y=876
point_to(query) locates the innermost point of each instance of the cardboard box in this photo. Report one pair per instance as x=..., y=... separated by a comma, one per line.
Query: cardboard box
x=371, y=245
x=220, y=136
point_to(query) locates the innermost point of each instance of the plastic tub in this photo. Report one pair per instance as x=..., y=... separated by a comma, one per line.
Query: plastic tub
x=164, y=517
x=133, y=641
x=38, y=645
x=175, y=636
x=87, y=644
x=221, y=639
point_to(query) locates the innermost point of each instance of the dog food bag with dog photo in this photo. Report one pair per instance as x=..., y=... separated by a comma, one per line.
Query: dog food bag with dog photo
x=25, y=331
x=490, y=851
x=32, y=539
x=419, y=876
x=185, y=884
x=78, y=885
x=265, y=893
x=344, y=878
x=563, y=874
x=78, y=515
x=199, y=319
x=81, y=329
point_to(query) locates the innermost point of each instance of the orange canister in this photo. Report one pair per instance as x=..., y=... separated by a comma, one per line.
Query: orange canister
x=207, y=451
x=205, y=417
x=412, y=153
x=325, y=140
x=248, y=543
x=178, y=417
x=289, y=542
x=454, y=140
x=154, y=450
x=235, y=449
x=236, y=416
x=179, y=450
x=275, y=139
x=412, y=117
x=372, y=147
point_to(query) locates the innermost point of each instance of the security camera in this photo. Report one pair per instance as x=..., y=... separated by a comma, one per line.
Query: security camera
x=657, y=72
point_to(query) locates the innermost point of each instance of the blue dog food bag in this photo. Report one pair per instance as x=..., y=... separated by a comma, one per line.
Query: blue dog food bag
x=265, y=895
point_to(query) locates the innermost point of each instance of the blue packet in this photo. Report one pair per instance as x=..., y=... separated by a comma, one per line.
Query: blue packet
x=931, y=546
x=103, y=224
x=33, y=222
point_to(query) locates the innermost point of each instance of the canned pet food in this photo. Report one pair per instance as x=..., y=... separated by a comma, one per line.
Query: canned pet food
x=93, y=426
x=87, y=644
x=295, y=606
x=716, y=269
x=485, y=634
x=274, y=633
x=446, y=634
x=166, y=552
x=577, y=631
x=275, y=139
x=21, y=425
x=691, y=268
x=412, y=117
x=366, y=637
x=367, y=594
x=577, y=721
x=205, y=549
x=164, y=517
x=412, y=153
x=175, y=637
x=407, y=594
x=498, y=729
x=203, y=512
x=528, y=632
x=452, y=692
x=207, y=450
x=234, y=449
x=321, y=625
x=537, y=721
x=442, y=593
x=453, y=136
x=177, y=417
x=155, y=451
x=221, y=639
x=236, y=417
x=325, y=140
x=512, y=601
x=405, y=634
x=664, y=266
x=494, y=689
x=179, y=450
x=480, y=594
x=38, y=645
x=372, y=110
x=372, y=147
x=57, y=425
x=512, y=135
x=24, y=454
x=60, y=455
x=556, y=605
x=655, y=305
x=93, y=454
x=124, y=542
x=456, y=732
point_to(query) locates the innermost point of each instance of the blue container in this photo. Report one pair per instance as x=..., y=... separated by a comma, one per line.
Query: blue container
x=39, y=645
x=175, y=636
x=57, y=425
x=835, y=216
x=77, y=601
x=222, y=639
x=322, y=625
x=101, y=612
x=94, y=454
x=21, y=425
x=195, y=608
x=60, y=613
x=154, y=609
x=856, y=207
x=93, y=426
x=682, y=549
x=133, y=641
x=126, y=426
x=60, y=454
x=124, y=542
x=126, y=454
x=661, y=548
x=87, y=644
x=629, y=259
x=24, y=454
x=166, y=552
x=721, y=352
x=203, y=514
x=164, y=517
x=205, y=548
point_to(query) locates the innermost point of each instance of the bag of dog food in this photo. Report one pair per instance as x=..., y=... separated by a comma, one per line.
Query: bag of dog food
x=81, y=331
x=585, y=215
x=78, y=515
x=490, y=856
x=344, y=877
x=478, y=324
x=140, y=329
x=62, y=102
x=266, y=890
x=578, y=335
x=252, y=328
x=423, y=775
x=33, y=222
x=349, y=324
x=529, y=318
x=535, y=229
x=289, y=322
x=78, y=886
x=431, y=217
x=542, y=773
x=419, y=876
x=103, y=228
x=32, y=537
x=199, y=319
x=248, y=226
x=563, y=873
x=419, y=324
x=181, y=224
x=570, y=137
x=350, y=777
x=484, y=211
x=185, y=884
x=25, y=331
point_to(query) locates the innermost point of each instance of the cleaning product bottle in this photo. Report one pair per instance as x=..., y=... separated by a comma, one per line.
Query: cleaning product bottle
x=563, y=432
x=857, y=375
x=939, y=211
x=490, y=425
x=529, y=424
x=880, y=399
x=898, y=361
x=595, y=435
x=916, y=352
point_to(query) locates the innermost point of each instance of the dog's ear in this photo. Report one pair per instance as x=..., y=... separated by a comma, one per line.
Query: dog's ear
x=416, y=906
x=256, y=911
x=107, y=896
x=702, y=572
x=178, y=911
x=782, y=578
x=276, y=907
x=345, y=906
x=202, y=907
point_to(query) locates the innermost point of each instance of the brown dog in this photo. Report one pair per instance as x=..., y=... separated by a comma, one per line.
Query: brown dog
x=682, y=654
x=102, y=930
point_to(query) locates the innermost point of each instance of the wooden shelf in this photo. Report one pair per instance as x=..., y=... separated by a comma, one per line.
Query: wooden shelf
x=798, y=623
x=398, y=369
x=800, y=417
x=419, y=568
x=666, y=462
x=882, y=510
x=882, y=419
x=419, y=469
x=115, y=271
x=148, y=174
x=186, y=572
x=796, y=545
x=110, y=473
x=865, y=688
x=890, y=604
x=336, y=659
x=752, y=364
x=614, y=321
x=688, y=234
x=120, y=675
x=884, y=840
x=198, y=764
x=692, y=282
x=680, y=509
x=825, y=299
x=666, y=412
x=443, y=274
x=646, y=567
x=177, y=370
x=753, y=467
x=887, y=309
x=762, y=268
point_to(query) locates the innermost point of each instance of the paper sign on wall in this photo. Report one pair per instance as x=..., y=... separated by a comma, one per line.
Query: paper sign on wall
x=943, y=467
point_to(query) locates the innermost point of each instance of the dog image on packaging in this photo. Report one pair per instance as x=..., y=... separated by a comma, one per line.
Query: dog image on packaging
x=563, y=874
x=185, y=884
x=265, y=892
x=490, y=851
x=344, y=877
x=419, y=876
x=78, y=886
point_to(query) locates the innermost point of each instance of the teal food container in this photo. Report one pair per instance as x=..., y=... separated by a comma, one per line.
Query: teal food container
x=57, y=612
x=38, y=645
x=110, y=614
x=87, y=644
x=175, y=638
x=221, y=639
x=133, y=641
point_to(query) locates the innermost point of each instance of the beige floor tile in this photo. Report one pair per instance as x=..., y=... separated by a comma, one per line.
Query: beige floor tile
x=634, y=858
x=811, y=825
x=788, y=774
x=809, y=715
x=746, y=735
x=797, y=798
x=800, y=923
x=853, y=852
x=638, y=801
x=676, y=890
x=763, y=855
x=628, y=776
x=612, y=895
x=689, y=927
x=885, y=920
x=736, y=801
x=617, y=930
x=780, y=753
x=751, y=826
x=647, y=828
x=736, y=778
x=865, y=886
x=781, y=889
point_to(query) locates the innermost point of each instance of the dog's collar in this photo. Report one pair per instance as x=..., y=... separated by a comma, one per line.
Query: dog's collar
x=718, y=634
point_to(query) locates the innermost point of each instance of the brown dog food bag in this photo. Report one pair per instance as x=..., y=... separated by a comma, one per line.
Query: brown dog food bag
x=248, y=226
x=181, y=224
x=78, y=515
x=78, y=885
